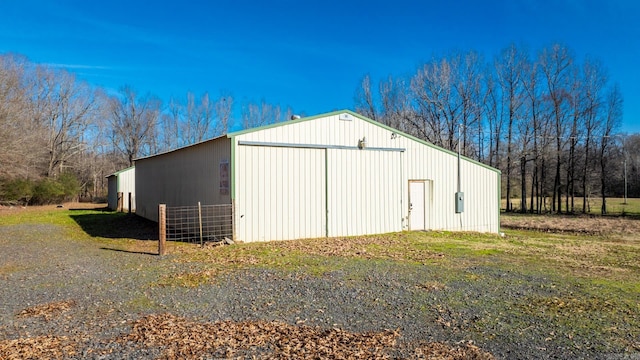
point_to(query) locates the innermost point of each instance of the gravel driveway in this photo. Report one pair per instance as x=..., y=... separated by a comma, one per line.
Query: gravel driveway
x=78, y=299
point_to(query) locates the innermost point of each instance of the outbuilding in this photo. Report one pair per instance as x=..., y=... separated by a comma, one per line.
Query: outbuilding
x=335, y=174
x=122, y=190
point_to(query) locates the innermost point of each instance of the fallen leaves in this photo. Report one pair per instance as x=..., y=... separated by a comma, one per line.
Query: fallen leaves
x=39, y=347
x=48, y=310
x=182, y=338
x=440, y=351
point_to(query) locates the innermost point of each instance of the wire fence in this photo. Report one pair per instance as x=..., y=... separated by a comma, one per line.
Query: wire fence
x=199, y=224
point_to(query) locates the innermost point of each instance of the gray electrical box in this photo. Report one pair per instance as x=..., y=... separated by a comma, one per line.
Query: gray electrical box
x=459, y=202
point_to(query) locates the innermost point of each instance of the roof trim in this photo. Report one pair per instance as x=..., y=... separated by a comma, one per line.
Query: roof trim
x=121, y=171
x=180, y=148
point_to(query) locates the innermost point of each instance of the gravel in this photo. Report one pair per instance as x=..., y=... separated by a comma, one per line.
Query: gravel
x=96, y=298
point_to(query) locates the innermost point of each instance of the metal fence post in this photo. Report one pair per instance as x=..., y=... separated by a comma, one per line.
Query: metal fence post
x=162, y=223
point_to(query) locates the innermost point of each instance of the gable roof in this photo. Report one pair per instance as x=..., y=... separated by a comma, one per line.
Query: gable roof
x=366, y=119
x=121, y=171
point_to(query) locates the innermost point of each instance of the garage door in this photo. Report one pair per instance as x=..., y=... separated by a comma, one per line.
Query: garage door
x=280, y=193
x=364, y=191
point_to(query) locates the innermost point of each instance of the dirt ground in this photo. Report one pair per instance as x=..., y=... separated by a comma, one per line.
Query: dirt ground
x=94, y=296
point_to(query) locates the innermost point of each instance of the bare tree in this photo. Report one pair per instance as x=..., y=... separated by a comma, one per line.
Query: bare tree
x=594, y=83
x=510, y=67
x=437, y=110
x=494, y=120
x=612, y=121
x=133, y=123
x=468, y=87
x=17, y=129
x=224, y=110
x=363, y=98
x=255, y=115
x=68, y=110
x=555, y=63
x=396, y=103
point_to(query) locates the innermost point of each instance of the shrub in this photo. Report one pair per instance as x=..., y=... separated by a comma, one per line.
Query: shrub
x=44, y=191
x=47, y=191
x=50, y=191
x=16, y=191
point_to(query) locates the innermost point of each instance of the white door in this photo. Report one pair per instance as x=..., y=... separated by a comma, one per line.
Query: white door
x=416, y=205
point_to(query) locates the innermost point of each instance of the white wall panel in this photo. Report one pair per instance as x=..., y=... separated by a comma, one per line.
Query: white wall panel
x=419, y=161
x=364, y=192
x=280, y=193
x=126, y=185
x=182, y=177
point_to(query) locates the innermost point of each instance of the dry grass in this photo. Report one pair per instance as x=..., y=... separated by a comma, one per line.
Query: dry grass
x=583, y=224
x=9, y=210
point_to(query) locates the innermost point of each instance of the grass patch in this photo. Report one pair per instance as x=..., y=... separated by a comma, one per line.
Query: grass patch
x=142, y=303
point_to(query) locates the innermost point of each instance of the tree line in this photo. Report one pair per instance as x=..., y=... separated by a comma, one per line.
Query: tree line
x=61, y=137
x=548, y=121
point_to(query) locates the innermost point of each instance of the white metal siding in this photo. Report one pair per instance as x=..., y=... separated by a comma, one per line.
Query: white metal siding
x=280, y=193
x=182, y=177
x=419, y=161
x=364, y=192
x=123, y=181
x=126, y=185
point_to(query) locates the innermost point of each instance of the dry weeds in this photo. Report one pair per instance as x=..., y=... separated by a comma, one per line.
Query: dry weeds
x=582, y=224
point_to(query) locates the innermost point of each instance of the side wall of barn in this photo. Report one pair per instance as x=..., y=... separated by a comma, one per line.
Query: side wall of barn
x=184, y=177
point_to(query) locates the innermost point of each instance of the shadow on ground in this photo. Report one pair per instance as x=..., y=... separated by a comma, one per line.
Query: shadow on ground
x=129, y=251
x=115, y=225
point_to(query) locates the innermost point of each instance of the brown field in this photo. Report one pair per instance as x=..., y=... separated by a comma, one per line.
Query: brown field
x=577, y=224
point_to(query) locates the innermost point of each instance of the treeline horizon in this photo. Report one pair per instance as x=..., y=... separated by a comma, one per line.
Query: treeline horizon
x=546, y=121
x=549, y=122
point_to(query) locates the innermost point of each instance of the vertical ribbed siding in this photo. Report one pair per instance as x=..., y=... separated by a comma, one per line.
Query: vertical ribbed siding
x=126, y=185
x=364, y=192
x=182, y=177
x=280, y=193
x=351, y=178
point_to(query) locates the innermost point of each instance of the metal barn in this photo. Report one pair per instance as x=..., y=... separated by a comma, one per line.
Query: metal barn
x=335, y=174
x=120, y=184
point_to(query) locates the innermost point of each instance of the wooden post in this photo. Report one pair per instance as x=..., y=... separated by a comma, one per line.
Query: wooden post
x=200, y=221
x=130, y=203
x=120, y=200
x=162, y=223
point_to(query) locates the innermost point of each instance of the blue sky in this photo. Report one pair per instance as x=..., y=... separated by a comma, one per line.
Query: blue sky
x=309, y=55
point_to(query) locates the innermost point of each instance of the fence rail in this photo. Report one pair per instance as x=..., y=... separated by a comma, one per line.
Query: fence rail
x=199, y=223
